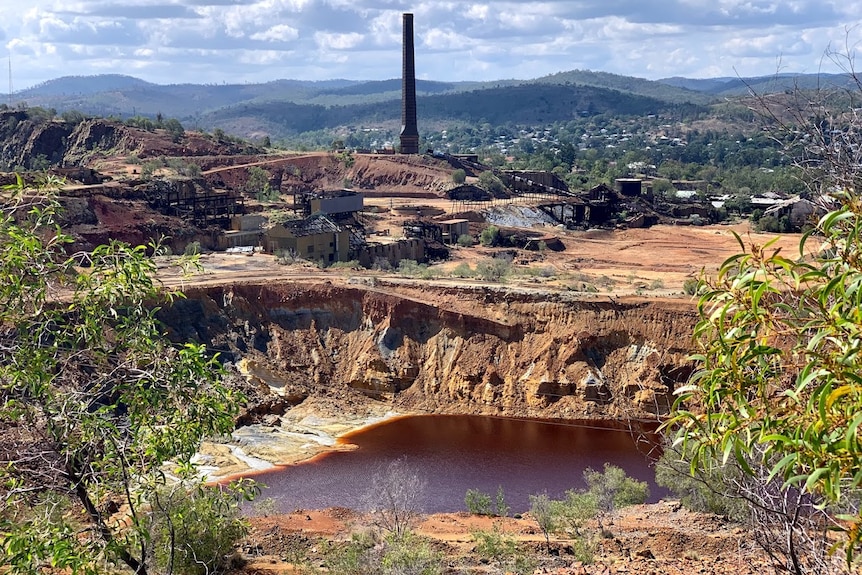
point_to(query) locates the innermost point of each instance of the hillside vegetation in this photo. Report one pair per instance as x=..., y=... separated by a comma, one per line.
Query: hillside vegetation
x=288, y=107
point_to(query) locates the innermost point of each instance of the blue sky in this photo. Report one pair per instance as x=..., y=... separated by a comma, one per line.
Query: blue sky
x=238, y=41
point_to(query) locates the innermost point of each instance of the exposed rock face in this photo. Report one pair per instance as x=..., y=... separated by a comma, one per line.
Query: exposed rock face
x=503, y=353
x=24, y=140
x=94, y=135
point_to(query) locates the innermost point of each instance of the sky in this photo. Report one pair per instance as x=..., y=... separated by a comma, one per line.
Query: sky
x=244, y=41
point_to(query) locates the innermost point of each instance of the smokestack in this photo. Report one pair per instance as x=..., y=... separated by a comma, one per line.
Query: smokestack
x=409, y=130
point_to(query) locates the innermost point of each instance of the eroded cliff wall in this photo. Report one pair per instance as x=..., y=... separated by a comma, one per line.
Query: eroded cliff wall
x=454, y=350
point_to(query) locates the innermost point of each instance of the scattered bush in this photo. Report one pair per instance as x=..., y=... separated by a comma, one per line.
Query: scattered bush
x=775, y=225
x=542, y=511
x=459, y=176
x=368, y=554
x=287, y=257
x=192, y=248
x=710, y=490
x=490, y=236
x=502, y=550
x=493, y=269
x=500, y=505
x=411, y=268
x=691, y=286
x=349, y=265
x=573, y=512
x=613, y=489
x=477, y=502
x=359, y=556
x=195, y=533
x=489, y=181
x=480, y=503
x=466, y=240
x=381, y=264
x=462, y=270
x=408, y=554
x=149, y=168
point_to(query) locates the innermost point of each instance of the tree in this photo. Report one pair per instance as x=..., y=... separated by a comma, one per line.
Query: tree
x=94, y=402
x=258, y=184
x=542, y=510
x=574, y=511
x=175, y=129
x=459, y=176
x=489, y=181
x=395, y=497
x=612, y=489
x=193, y=532
x=778, y=389
x=489, y=236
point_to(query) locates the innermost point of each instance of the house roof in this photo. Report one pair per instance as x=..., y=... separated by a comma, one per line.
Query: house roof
x=310, y=226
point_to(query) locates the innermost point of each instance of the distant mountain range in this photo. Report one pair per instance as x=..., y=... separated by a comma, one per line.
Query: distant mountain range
x=287, y=107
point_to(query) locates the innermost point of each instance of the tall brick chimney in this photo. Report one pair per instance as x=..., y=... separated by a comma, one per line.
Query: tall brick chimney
x=409, y=130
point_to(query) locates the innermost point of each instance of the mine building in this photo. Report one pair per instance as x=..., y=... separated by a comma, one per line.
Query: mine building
x=205, y=207
x=316, y=238
x=534, y=182
x=245, y=231
x=332, y=203
x=454, y=229
x=392, y=252
x=469, y=193
x=629, y=186
x=800, y=211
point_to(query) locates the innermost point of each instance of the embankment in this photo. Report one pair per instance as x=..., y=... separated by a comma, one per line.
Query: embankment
x=447, y=349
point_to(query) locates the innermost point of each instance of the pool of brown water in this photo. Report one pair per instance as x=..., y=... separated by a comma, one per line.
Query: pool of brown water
x=454, y=453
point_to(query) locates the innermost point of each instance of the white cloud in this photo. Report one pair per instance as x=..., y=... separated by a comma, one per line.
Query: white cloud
x=360, y=39
x=278, y=33
x=330, y=41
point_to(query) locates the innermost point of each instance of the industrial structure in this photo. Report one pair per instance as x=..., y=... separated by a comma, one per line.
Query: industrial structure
x=409, y=128
x=317, y=238
x=202, y=206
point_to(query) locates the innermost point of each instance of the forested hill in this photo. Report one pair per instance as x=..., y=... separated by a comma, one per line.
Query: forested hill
x=531, y=104
x=729, y=87
x=287, y=107
x=665, y=91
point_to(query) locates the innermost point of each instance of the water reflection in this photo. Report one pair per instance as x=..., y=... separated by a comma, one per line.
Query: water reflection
x=457, y=453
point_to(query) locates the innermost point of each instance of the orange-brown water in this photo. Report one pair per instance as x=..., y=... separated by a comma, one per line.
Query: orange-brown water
x=455, y=453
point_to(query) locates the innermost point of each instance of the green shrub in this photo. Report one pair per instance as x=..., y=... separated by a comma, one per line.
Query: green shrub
x=490, y=236
x=477, y=503
x=192, y=248
x=459, y=176
x=502, y=550
x=195, y=533
x=409, y=554
x=584, y=550
x=613, y=489
x=411, y=268
x=462, y=270
x=711, y=490
x=573, y=512
x=493, y=269
x=489, y=181
x=542, y=511
x=356, y=557
x=691, y=286
x=500, y=506
x=466, y=240
x=349, y=265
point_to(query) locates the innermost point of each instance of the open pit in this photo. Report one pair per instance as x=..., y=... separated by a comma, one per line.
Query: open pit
x=324, y=357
